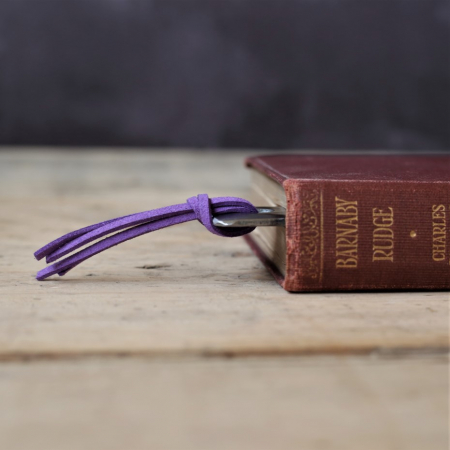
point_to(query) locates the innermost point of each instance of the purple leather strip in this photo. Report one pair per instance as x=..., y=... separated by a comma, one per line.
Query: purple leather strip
x=128, y=227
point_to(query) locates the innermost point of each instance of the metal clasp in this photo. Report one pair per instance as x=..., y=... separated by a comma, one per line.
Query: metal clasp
x=267, y=216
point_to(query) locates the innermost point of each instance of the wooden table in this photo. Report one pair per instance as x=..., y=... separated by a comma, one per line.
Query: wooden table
x=182, y=340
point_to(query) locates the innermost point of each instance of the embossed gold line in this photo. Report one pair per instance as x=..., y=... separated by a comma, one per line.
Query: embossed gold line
x=321, y=237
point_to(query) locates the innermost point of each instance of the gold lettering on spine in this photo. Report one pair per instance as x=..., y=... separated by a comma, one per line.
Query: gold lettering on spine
x=438, y=216
x=383, y=234
x=346, y=234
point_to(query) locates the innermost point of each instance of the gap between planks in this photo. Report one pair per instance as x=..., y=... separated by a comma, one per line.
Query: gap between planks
x=383, y=353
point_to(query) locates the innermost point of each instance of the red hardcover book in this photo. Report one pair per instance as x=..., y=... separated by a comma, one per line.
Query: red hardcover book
x=355, y=222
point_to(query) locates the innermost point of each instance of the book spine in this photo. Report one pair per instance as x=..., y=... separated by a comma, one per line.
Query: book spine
x=367, y=235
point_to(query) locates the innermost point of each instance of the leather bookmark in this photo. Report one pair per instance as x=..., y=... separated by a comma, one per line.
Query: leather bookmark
x=122, y=229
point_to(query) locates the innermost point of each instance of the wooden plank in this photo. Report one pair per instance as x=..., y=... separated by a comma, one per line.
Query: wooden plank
x=314, y=403
x=180, y=290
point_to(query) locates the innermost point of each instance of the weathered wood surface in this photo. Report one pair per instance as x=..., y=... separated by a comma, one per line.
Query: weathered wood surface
x=323, y=403
x=184, y=292
x=177, y=290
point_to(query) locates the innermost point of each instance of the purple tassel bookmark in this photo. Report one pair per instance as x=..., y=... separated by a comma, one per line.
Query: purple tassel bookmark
x=125, y=228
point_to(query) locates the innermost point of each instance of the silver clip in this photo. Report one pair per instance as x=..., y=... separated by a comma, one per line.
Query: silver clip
x=267, y=216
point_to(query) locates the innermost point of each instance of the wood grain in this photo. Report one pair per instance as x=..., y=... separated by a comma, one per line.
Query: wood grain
x=323, y=403
x=130, y=346
x=180, y=289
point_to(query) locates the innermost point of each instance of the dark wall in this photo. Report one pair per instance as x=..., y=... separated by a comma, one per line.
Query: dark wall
x=226, y=73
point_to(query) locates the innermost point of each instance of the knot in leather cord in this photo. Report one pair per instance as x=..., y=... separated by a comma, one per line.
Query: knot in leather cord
x=205, y=212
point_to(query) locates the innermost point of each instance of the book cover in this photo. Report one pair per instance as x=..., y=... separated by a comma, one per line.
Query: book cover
x=355, y=222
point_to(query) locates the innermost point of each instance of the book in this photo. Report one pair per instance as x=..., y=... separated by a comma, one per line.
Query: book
x=354, y=222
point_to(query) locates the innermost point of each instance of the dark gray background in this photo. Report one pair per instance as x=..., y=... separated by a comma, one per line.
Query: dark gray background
x=226, y=73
